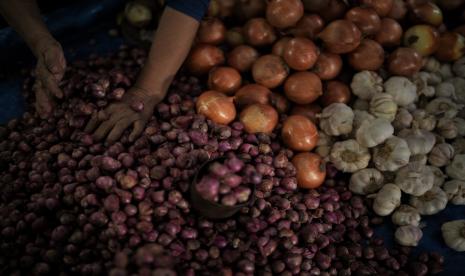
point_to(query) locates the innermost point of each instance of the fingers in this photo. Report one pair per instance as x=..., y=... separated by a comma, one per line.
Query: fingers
x=105, y=128
x=49, y=81
x=95, y=120
x=55, y=61
x=118, y=130
x=137, y=130
x=44, y=104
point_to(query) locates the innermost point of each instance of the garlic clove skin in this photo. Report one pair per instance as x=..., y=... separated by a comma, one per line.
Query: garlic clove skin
x=374, y=132
x=336, y=119
x=419, y=141
x=431, y=65
x=408, y=235
x=455, y=191
x=439, y=176
x=403, y=119
x=459, y=145
x=349, y=156
x=431, y=202
x=459, y=67
x=402, y=90
x=406, y=215
x=418, y=158
x=460, y=124
x=447, y=128
x=453, y=233
x=424, y=120
x=445, y=70
x=366, y=84
x=392, y=155
x=382, y=105
x=360, y=104
x=441, y=155
x=459, y=85
x=442, y=106
x=387, y=200
x=445, y=90
x=414, y=179
x=456, y=169
x=360, y=116
x=366, y=181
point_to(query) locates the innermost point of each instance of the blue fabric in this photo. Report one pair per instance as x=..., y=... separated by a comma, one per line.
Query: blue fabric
x=193, y=8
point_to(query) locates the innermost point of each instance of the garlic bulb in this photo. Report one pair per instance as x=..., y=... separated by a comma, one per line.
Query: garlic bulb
x=455, y=191
x=336, y=119
x=453, y=233
x=459, y=67
x=387, y=199
x=424, y=120
x=403, y=119
x=365, y=84
x=382, y=105
x=374, y=132
x=460, y=124
x=459, y=85
x=349, y=156
x=419, y=141
x=360, y=104
x=446, y=71
x=431, y=202
x=441, y=154
x=442, y=106
x=361, y=116
x=408, y=235
x=366, y=181
x=459, y=145
x=447, y=128
x=324, y=144
x=456, y=169
x=421, y=80
x=418, y=158
x=406, y=215
x=445, y=89
x=402, y=90
x=392, y=155
x=415, y=179
x=439, y=176
x=431, y=64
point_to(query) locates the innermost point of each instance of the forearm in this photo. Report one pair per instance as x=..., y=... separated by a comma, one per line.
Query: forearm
x=24, y=17
x=171, y=44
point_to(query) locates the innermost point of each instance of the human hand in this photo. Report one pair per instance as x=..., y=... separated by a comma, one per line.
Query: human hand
x=50, y=68
x=118, y=116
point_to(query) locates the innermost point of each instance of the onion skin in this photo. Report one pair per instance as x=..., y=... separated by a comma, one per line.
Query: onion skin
x=398, y=11
x=366, y=19
x=382, y=7
x=328, y=66
x=404, y=62
x=423, y=38
x=279, y=102
x=216, y=106
x=258, y=32
x=224, y=79
x=308, y=110
x=390, y=33
x=303, y=87
x=310, y=168
x=368, y=56
x=299, y=133
x=335, y=10
x=259, y=118
x=204, y=57
x=451, y=47
x=252, y=94
x=341, y=36
x=426, y=12
x=278, y=46
x=269, y=71
x=300, y=53
x=284, y=13
x=308, y=26
x=335, y=92
x=242, y=57
x=211, y=31
x=247, y=9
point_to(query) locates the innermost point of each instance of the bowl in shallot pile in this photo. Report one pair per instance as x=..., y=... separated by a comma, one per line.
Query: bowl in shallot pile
x=223, y=186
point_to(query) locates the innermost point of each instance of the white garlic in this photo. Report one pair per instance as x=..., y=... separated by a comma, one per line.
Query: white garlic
x=387, y=199
x=459, y=67
x=443, y=107
x=445, y=89
x=460, y=124
x=418, y=158
x=324, y=144
x=403, y=119
x=441, y=154
x=411, y=107
x=374, y=132
x=360, y=104
x=453, y=233
x=336, y=119
x=402, y=90
x=349, y=156
x=431, y=202
x=445, y=70
x=366, y=181
x=408, y=235
x=455, y=191
x=361, y=116
x=365, y=84
x=431, y=64
x=382, y=105
x=406, y=215
x=421, y=80
x=456, y=169
x=419, y=141
x=447, y=128
x=424, y=120
x=392, y=155
x=415, y=179
x=459, y=85
x=439, y=176
x=459, y=145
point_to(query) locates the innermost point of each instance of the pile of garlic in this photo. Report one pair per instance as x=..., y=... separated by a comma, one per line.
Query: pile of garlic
x=402, y=137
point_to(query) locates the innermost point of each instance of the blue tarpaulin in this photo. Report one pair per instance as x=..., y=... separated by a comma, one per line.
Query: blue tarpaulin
x=82, y=29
